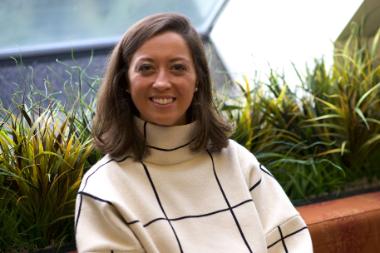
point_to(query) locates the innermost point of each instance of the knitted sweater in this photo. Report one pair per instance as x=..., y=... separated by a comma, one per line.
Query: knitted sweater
x=176, y=200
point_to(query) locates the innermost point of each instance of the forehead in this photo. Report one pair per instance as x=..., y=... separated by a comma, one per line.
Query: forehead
x=164, y=44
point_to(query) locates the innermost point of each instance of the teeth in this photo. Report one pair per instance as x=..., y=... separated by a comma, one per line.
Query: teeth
x=163, y=101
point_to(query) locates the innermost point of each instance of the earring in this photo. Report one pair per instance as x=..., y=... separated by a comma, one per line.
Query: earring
x=196, y=89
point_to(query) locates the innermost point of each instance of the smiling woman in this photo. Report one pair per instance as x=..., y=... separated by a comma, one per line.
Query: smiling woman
x=114, y=128
x=162, y=79
x=171, y=180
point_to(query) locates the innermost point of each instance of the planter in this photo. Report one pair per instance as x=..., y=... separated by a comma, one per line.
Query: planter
x=347, y=225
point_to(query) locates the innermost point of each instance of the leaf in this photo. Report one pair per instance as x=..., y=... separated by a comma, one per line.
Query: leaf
x=375, y=44
x=361, y=115
x=372, y=141
x=324, y=117
x=366, y=94
x=332, y=151
x=343, y=148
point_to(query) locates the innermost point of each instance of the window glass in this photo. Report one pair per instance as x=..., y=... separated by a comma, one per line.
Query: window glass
x=255, y=37
x=28, y=24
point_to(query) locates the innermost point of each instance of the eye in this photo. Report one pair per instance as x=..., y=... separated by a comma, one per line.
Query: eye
x=179, y=68
x=145, y=68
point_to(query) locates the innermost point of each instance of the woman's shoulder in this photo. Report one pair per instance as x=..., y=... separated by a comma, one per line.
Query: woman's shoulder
x=97, y=166
x=240, y=150
x=102, y=172
x=246, y=159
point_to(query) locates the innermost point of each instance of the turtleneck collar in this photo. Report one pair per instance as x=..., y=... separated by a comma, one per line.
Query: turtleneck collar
x=167, y=144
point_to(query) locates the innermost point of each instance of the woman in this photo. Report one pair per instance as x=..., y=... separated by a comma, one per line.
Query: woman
x=171, y=180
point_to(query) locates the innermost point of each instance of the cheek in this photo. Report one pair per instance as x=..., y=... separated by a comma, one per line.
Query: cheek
x=137, y=96
x=190, y=91
x=135, y=83
x=188, y=97
x=135, y=90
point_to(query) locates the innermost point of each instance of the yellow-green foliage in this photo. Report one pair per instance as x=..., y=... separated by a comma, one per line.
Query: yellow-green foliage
x=43, y=154
x=323, y=136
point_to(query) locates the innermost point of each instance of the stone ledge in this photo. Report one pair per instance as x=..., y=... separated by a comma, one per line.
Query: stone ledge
x=347, y=225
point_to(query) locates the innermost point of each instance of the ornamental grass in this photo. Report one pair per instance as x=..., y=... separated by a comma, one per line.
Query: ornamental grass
x=321, y=137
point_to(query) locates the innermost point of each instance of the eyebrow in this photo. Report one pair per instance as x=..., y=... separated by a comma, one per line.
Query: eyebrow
x=178, y=58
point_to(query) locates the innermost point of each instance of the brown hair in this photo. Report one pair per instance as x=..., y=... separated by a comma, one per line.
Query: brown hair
x=113, y=128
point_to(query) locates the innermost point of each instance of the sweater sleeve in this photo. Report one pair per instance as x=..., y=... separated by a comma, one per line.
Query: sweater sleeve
x=284, y=228
x=100, y=228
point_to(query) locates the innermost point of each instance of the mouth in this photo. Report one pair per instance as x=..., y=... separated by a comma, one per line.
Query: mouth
x=162, y=100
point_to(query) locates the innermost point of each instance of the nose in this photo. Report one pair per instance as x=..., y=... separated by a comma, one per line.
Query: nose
x=162, y=81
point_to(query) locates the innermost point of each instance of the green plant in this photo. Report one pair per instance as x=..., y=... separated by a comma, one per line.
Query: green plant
x=9, y=221
x=269, y=121
x=323, y=136
x=42, y=161
x=45, y=147
x=351, y=106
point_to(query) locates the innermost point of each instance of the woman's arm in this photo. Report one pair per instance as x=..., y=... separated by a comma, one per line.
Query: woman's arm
x=99, y=227
x=284, y=228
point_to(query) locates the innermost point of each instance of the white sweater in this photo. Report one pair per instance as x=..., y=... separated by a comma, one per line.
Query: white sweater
x=176, y=200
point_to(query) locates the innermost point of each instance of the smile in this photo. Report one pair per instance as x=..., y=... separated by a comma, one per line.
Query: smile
x=163, y=101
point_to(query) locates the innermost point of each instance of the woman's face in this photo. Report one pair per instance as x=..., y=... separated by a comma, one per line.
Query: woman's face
x=162, y=79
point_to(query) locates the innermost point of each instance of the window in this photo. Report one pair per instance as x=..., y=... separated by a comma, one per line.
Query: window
x=49, y=36
x=33, y=26
x=253, y=37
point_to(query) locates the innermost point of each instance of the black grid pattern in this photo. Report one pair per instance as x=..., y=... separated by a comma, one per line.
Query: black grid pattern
x=229, y=208
x=161, y=207
x=228, y=204
x=197, y=215
x=283, y=238
x=81, y=192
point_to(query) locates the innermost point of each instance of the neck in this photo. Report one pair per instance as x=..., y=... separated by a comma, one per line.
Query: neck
x=167, y=144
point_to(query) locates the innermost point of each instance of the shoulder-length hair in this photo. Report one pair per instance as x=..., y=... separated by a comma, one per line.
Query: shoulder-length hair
x=113, y=128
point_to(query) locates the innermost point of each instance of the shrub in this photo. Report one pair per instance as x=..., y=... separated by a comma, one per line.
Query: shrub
x=45, y=147
x=324, y=137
